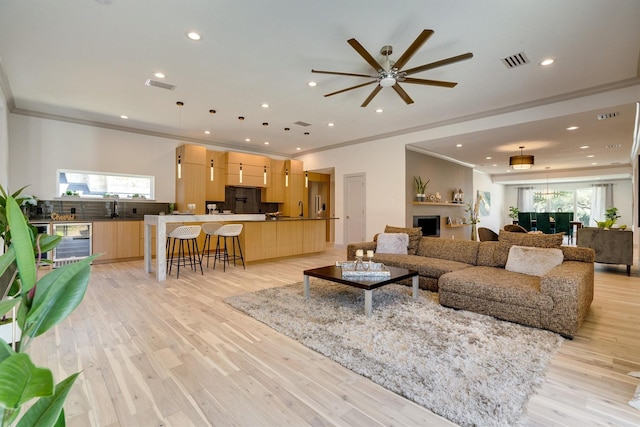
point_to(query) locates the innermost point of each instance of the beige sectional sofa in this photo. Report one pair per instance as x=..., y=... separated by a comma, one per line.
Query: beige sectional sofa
x=471, y=275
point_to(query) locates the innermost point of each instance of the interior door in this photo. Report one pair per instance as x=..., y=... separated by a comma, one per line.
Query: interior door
x=354, y=202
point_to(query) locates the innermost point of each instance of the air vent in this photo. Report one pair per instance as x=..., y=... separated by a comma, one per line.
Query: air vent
x=516, y=60
x=607, y=116
x=161, y=85
x=613, y=146
x=304, y=124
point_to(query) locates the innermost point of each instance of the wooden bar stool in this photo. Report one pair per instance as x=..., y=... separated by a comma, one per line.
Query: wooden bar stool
x=226, y=231
x=209, y=229
x=186, y=234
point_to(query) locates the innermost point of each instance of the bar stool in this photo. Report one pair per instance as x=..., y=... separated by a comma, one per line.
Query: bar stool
x=188, y=234
x=226, y=231
x=170, y=228
x=209, y=229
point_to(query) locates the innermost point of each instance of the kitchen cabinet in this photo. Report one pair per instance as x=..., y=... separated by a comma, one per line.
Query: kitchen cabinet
x=248, y=170
x=294, y=193
x=289, y=239
x=215, y=182
x=190, y=183
x=116, y=239
x=258, y=240
x=314, y=236
x=274, y=192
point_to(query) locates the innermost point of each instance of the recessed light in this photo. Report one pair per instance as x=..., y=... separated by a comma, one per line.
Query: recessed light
x=312, y=84
x=266, y=143
x=206, y=132
x=306, y=133
x=379, y=110
x=590, y=156
x=194, y=36
x=548, y=61
x=488, y=158
x=594, y=163
x=458, y=145
x=330, y=124
x=124, y=117
x=247, y=140
x=572, y=128
x=265, y=105
x=584, y=147
x=494, y=165
x=159, y=75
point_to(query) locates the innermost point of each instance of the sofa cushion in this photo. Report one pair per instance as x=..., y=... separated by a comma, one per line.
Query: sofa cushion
x=506, y=239
x=392, y=243
x=496, y=284
x=533, y=261
x=465, y=251
x=414, y=236
x=426, y=267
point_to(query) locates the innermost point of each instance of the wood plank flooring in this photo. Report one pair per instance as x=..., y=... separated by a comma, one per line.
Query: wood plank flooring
x=174, y=354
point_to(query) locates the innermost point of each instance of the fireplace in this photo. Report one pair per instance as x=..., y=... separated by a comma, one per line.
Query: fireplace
x=430, y=224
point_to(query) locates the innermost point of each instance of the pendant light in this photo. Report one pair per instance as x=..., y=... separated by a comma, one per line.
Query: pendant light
x=179, y=104
x=211, y=172
x=286, y=177
x=264, y=175
x=240, y=173
x=522, y=161
x=306, y=179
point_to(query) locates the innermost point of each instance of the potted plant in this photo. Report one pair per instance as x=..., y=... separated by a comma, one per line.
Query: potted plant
x=421, y=186
x=513, y=213
x=612, y=215
x=42, y=301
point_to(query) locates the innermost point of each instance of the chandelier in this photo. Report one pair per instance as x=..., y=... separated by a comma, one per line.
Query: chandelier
x=548, y=194
x=521, y=161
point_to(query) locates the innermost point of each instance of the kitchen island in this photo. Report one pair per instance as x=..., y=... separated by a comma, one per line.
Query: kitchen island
x=261, y=238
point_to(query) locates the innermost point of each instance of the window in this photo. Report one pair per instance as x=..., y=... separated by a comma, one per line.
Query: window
x=577, y=201
x=99, y=184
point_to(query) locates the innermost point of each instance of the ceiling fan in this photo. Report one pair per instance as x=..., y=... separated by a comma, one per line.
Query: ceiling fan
x=391, y=74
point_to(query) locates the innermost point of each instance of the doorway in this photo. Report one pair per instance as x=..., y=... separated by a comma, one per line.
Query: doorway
x=354, y=202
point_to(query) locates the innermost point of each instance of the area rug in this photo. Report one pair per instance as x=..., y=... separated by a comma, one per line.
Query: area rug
x=469, y=368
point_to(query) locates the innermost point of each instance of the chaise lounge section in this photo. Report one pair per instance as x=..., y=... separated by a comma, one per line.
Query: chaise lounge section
x=472, y=276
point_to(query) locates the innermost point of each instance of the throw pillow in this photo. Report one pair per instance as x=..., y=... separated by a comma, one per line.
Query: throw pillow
x=415, y=234
x=392, y=243
x=533, y=261
x=508, y=239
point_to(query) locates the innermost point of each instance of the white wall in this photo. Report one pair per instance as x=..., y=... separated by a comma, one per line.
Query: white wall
x=383, y=162
x=499, y=214
x=4, y=141
x=38, y=147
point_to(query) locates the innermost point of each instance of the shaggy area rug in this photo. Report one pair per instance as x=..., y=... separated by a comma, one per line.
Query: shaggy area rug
x=472, y=369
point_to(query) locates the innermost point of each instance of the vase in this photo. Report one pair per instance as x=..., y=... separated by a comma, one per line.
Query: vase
x=474, y=236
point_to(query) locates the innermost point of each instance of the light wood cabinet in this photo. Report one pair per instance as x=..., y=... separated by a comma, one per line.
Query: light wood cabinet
x=258, y=240
x=289, y=239
x=274, y=192
x=248, y=170
x=190, y=183
x=314, y=236
x=215, y=182
x=294, y=193
x=117, y=240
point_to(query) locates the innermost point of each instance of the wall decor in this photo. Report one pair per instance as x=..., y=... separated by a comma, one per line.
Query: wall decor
x=485, y=202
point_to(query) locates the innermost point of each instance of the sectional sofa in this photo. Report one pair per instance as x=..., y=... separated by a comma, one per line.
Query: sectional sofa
x=515, y=278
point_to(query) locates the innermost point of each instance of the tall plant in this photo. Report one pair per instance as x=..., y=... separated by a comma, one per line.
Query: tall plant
x=43, y=303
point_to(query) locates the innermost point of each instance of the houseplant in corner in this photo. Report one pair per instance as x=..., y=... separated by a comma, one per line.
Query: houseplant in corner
x=513, y=213
x=42, y=303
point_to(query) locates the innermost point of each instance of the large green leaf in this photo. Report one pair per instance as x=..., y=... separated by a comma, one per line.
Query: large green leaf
x=47, y=412
x=57, y=295
x=22, y=243
x=5, y=351
x=7, y=305
x=21, y=381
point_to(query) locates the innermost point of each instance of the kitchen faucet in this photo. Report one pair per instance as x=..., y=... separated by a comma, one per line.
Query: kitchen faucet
x=301, y=206
x=114, y=211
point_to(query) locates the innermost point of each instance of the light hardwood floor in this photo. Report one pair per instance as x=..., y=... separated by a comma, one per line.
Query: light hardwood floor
x=174, y=354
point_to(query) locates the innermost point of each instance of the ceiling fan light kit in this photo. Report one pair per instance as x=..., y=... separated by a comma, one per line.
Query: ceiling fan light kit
x=391, y=73
x=522, y=161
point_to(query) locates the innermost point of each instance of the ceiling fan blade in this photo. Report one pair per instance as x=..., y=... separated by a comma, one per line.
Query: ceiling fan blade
x=440, y=63
x=429, y=82
x=338, y=73
x=366, y=55
x=371, y=96
x=411, y=50
x=351, y=88
x=405, y=97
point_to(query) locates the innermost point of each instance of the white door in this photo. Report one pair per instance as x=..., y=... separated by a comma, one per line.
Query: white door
x=354, y=202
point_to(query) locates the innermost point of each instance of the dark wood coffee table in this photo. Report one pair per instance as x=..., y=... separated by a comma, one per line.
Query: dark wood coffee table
x=334, y=274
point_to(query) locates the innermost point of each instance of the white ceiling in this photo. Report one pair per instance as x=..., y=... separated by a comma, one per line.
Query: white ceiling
x=87, y=61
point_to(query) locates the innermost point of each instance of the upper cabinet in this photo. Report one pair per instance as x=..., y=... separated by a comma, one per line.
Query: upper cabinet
x=190, y=169
x=248, y=170
x=274, y=192
x=216, y=175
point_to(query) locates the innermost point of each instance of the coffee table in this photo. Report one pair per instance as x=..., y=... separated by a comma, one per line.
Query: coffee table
x=334, y=274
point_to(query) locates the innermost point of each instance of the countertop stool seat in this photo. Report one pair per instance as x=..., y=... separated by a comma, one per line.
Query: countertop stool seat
x=170, y=228
x=185, y=234
x=209, y=229
x=228, y=231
